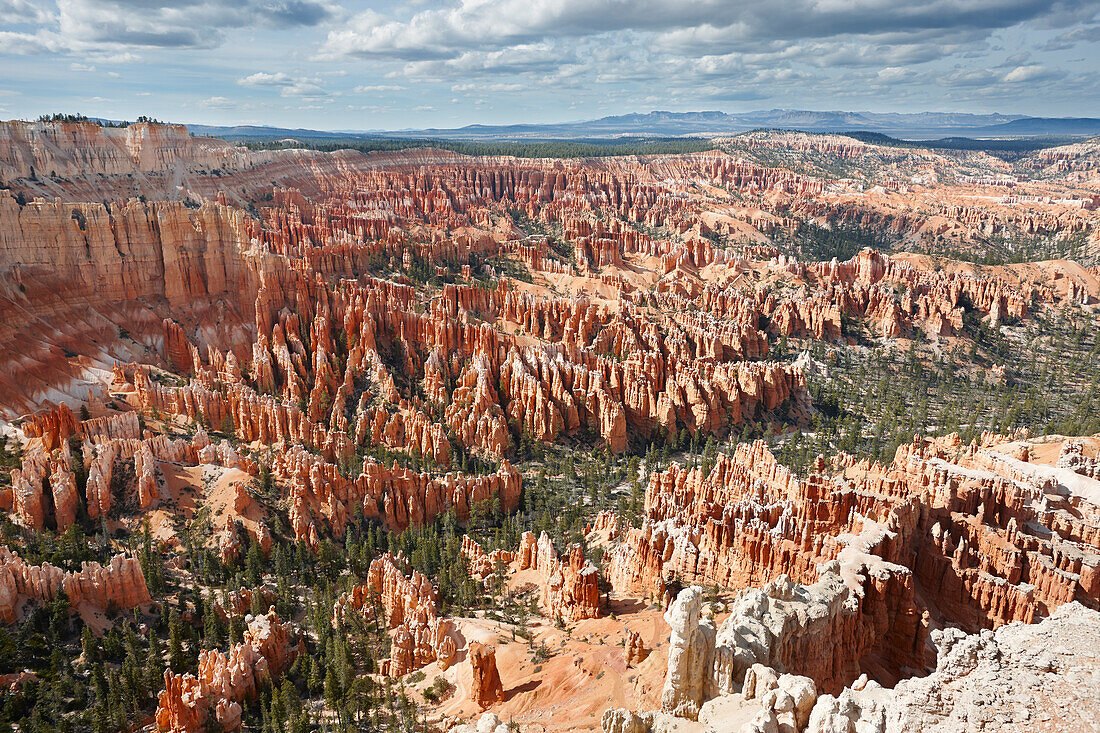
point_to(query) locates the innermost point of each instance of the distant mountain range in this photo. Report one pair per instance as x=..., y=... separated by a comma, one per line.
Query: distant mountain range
x=912, y=126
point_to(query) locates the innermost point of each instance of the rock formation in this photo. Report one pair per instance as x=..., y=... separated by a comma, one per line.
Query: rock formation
x=225, y=680
x=485, y=687
x=487, y=723
x=570, y=587
x=384, y=336
x=635, y=649
x=481, y=564
x=1050, y=670
x=894, y=529
x=408, y=604
x=1016, y=678
x=690, y=656
x=119, y=585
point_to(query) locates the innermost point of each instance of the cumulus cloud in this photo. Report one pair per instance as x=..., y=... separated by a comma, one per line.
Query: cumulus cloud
x=689, y=26
x=112, y=26
x=601, y=56
x=218, y=103
x=263, y=79
x=14, y=12
x=26, y=44
x=289, y=86
x=892, y=74
x=730, y=50
x=1031, y=73
x=124, y=57
x=305, y=88
x=523, y=58
x=492, y=88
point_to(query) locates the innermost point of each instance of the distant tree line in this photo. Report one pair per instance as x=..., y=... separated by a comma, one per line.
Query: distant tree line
x=587, y=148
x=64, y=117
x=1016, y=145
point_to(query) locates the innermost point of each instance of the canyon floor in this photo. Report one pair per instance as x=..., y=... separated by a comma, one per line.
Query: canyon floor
x=800, y=433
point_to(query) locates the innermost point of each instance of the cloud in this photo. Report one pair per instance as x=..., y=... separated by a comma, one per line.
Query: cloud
x=27, y=44
x=115, y=26
x=218, y=103
x=961, y=77
x=692, y=27
x=305, y=88
x=622, y=52
x=1031, y=73
x=289, y=86
x=494, y=88
x=1071, y=38
x=892, y=74
x=549, y=56
x=373, y=88
x=118, y=58
x=263, y=79
x=542, y=58
x=15, y=12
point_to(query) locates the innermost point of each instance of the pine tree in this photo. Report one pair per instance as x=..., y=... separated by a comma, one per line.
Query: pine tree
x=100, y=712
x=89, y=646
x=254, y=564
x=332, y=688
x=211, y=627
x=315, y=678
x=59, y=614
x=154, y=664
x=150, y=562
x=175, y=643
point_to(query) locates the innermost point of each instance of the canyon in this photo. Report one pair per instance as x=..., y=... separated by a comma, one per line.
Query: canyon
x=515, y=440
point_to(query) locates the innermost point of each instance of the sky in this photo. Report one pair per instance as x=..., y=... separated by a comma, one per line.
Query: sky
x=364, y=65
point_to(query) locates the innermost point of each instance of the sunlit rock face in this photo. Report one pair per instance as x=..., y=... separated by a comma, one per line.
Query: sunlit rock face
x=298, y=345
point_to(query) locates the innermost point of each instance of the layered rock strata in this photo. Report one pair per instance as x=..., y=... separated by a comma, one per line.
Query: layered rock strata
x=946, y=531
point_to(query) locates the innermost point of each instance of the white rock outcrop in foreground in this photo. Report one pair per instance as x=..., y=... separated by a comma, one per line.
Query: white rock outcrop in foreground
x=1019, y=678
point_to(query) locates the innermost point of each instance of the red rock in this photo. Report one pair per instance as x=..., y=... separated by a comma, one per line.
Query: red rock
x=99, y=459
x=481, y=564
x=145, y=467
x=397, y=496
x=54, y=426
x=286, y=343
x=420, y=636
x=272, y=639
x=65, y=496
x=570, y=588
x=635, y=650
x=120, y=584
x=225, y=680
x=229, y=544
x=606, y=523
x=485, y=687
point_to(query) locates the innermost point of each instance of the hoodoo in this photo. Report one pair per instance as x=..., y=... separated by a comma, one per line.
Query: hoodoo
x=762, y=432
